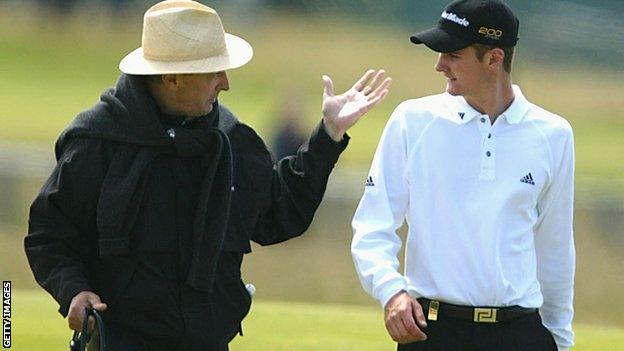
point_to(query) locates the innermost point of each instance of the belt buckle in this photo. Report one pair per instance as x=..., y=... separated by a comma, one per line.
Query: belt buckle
x=485, y=315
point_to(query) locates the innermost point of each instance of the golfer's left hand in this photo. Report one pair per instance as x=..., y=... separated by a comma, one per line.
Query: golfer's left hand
x=340, y=112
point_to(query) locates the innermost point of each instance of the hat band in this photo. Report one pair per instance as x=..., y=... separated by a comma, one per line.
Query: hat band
x=177, y=57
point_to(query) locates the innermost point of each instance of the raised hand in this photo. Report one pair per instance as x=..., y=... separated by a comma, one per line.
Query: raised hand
x=341, y=112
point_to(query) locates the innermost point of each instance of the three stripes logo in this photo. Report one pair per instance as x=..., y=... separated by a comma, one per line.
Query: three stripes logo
x=369, y=181
x=528, y=179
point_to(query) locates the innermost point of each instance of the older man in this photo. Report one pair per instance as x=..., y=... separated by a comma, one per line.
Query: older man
x=485, y=180
x=158, y=190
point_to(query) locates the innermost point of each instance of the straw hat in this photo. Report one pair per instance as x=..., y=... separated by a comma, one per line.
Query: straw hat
x=183, y=36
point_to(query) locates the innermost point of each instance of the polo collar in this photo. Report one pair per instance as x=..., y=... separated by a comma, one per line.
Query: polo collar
x=464, y=112
x=518, y=108
x=514, y=114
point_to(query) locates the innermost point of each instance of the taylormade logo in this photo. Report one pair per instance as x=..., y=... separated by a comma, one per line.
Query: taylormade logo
x=454, y=18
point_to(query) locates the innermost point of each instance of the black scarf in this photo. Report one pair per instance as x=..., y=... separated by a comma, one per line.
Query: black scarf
x=128, y=115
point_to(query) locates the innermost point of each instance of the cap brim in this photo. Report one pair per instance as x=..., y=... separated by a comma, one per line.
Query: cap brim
x=239, y=52
x=439, y=40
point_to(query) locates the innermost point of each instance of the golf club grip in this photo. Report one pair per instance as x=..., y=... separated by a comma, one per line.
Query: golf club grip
x=81, y=339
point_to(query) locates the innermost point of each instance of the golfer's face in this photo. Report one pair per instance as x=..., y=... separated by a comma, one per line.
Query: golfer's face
x=199, y=91
x=462, y=70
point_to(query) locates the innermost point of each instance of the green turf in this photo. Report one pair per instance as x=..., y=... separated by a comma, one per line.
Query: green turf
x=51, y=72
x=271, y=326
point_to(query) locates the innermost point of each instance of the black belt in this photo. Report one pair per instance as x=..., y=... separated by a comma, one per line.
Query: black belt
x=435, y=310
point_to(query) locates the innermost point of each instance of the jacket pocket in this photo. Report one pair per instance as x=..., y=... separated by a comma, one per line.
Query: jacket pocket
x=114, y=275
x=232, y=301
x=149, y=303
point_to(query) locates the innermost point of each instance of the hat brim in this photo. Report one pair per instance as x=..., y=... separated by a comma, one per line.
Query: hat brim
x=439, y=40
x=239, y=52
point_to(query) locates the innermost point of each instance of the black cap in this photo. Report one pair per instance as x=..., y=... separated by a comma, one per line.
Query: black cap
x=465, y=22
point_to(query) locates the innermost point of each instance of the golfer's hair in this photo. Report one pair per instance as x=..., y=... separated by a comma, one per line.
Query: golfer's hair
x=481, y=49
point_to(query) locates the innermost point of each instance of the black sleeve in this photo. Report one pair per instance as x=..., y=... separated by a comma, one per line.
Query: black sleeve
x=297, y=185
x=62, y=235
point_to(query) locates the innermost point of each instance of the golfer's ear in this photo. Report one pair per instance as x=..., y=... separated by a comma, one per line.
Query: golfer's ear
x=171, y=81
x=496, y=57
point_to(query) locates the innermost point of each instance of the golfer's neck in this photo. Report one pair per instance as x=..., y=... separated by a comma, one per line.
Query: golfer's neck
x=494, y=99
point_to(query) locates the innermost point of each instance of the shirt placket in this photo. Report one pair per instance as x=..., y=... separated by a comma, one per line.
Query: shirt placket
x=488, y=149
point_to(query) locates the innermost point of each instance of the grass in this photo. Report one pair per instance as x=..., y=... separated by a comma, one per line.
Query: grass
x=271, y=326
x=52, y=72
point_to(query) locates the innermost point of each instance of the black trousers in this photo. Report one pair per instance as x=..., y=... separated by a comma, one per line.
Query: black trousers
x=521, y=334
x=118, y=339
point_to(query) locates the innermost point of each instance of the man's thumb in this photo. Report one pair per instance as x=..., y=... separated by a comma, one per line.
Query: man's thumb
x=329, y=86
x=96, y=303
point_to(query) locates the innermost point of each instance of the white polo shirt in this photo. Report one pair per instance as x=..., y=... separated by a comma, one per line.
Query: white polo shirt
x=489, y=208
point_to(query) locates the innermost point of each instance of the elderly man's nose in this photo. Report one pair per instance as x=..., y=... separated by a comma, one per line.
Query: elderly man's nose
x=224, y=82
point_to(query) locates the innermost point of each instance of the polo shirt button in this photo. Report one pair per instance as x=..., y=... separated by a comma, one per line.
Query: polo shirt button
x=482, y=120
x=490, y=136
x=488, y=154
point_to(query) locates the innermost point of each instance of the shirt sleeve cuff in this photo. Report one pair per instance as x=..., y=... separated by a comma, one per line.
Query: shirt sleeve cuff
x=386, y=293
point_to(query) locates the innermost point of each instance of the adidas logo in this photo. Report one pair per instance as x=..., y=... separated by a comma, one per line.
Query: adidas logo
x=369, y=181
x=528, y=179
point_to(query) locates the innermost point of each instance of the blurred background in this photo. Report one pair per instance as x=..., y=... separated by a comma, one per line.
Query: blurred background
x=56, y=57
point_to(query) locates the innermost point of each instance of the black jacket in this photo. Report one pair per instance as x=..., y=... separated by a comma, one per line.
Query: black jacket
x=151, y=210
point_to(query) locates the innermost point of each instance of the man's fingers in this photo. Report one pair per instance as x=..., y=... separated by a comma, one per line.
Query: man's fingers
x=94, y=302
x=400, y=320
x=83, y=300
x=74, y=319
x=359, y=85
x=376, y=79
x=383, y=86
x=329, y=86
x=99, y=306
x=413, y=333
x=401, y=313
x=374, y=101
x=403, y=329
x=74, y=324
x=410, y=326
x=402, y=332
x=75, y=316
x=394, y=329
x=418, y=314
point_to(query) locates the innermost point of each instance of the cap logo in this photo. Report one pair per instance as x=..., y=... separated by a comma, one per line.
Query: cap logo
x=491, y=33
x=454, y=18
